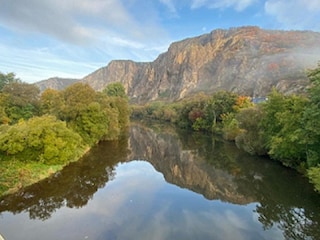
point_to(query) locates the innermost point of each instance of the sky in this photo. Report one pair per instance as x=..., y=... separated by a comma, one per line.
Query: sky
x=40, y=39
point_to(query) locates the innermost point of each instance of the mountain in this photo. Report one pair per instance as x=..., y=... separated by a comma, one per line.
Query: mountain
x=244, y=60
x=55, y=83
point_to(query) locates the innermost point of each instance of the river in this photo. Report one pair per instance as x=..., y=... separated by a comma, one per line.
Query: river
x=161, y=183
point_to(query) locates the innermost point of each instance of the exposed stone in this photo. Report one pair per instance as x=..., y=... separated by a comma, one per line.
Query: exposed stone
x=245, y=60
x=56, y=83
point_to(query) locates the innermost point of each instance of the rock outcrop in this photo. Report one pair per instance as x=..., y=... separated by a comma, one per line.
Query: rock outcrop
x=245, y=60
x=55, y=83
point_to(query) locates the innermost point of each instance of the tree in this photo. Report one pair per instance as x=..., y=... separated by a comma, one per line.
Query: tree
x=230, y=124
x=314, y=177
x=242, y=102
x=115, y=90
x=121, y=105
x=44, y=139
x=4, y=119
x=6, y=79
x=250, y=138
x=76, y=97
x=22, y=94
x=118, y=100
x=21, y=100
x=286, y=144
x=270, y=109
x=283, y=128
x=221, y=102
x=51, y=102
x=190, y=112
x=91, y=123
x=311, y=119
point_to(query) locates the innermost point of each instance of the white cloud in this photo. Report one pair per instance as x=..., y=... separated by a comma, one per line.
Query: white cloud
x=170, y=5
x=45, y=17
x=295, y=14
x=37, y=64
x=77, y=22
x=238, y=5
x=75, y=33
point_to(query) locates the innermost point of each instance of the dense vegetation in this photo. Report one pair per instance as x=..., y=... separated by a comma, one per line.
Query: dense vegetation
x=45, y=132
x=285, y=127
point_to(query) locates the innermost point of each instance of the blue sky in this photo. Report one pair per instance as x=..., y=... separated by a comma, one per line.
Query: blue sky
x=72, y=38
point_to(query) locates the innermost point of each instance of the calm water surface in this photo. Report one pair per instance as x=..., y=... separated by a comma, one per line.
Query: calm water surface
x=157, y=183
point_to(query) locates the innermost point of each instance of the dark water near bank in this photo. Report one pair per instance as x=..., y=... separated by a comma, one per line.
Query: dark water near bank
x=160, y=184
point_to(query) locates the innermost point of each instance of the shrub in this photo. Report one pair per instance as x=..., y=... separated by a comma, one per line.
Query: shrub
x=44, y=139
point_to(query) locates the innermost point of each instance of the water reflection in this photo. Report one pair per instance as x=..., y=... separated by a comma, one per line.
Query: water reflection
x=73, y=187
x=252, y=196
x=218, y=170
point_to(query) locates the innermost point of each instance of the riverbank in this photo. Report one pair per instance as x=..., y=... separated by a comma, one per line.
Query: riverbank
x=16, y=175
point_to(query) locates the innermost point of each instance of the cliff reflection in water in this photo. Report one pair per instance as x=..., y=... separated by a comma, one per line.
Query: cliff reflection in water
x=218, y=170
x=200, y=163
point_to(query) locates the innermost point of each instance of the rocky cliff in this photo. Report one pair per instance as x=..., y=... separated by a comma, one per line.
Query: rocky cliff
x=56, y=83
x=245, y=60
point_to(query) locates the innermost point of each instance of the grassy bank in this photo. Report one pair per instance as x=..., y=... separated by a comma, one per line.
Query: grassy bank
x=16, y=175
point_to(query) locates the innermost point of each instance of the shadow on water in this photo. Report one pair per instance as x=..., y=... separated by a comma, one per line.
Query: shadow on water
x=205, y=165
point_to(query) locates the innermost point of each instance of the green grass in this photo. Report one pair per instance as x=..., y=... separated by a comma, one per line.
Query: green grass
x=15, y=175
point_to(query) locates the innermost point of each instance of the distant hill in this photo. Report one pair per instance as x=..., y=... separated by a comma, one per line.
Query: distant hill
x=55, y=83
x=244, y=60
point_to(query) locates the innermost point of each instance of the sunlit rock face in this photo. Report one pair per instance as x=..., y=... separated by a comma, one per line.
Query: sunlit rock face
x=245, y=60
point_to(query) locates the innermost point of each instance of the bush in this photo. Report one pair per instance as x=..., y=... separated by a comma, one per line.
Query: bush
x=314, y=176
x=250, y=139
x=44, y=139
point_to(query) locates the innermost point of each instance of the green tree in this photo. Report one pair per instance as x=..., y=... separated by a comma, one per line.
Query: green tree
x=91, y=123
x=115, y=90
x=76, y=97
x=189, y=110
x=44, y=139
x=51, y=102
x=270, y=124
x=250, y=138
x=21, y=100
x=230, y=126
x=314, y=176
x=286, y=144
x=6, y=79
x=311, y=119
x=117, y=100
x=114, y=129
x=4, y=119
x=221, y=102
x=283, y=128
x=122, y=107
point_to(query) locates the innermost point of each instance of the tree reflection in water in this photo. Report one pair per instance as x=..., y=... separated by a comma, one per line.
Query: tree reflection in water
x=201, y=163
x=73, y=187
